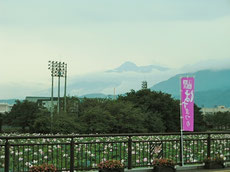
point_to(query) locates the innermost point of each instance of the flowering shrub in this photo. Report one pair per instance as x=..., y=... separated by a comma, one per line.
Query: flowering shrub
x=110, y=164
x=163, y=163
x=43, y=168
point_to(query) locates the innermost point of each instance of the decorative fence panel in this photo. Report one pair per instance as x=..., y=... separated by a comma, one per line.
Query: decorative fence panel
x=84, y=152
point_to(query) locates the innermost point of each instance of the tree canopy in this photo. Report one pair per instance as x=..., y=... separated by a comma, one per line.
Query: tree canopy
x=136, y=112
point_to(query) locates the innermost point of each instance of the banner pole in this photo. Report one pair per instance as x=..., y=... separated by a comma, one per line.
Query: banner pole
x=181, y=129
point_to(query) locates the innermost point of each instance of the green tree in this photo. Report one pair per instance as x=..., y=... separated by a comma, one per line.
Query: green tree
x=65, y=124
x=23, y=114
x=161, y=107
x=218, y=121
x=128, y=118
x=97, y=120
x=1, y=121
x=153, y=122
x=199, y=121
x=42, y=123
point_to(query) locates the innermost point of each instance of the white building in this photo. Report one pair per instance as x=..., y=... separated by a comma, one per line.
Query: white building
x=4, y=107
x=215, y=110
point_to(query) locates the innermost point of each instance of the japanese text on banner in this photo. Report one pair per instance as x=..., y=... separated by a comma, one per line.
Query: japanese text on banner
x=187, y=103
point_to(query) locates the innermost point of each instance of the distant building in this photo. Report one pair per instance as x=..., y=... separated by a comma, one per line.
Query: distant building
x=43, y=101
x=214, y=110
x=5, y=107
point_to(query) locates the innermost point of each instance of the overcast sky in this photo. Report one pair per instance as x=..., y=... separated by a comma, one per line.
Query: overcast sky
x=98, y=35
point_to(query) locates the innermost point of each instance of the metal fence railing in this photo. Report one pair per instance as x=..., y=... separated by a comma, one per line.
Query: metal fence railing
x=84, y=152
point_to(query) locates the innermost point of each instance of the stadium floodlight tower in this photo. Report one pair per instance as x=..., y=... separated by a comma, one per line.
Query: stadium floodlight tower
x=58, y=69
x=51, y=67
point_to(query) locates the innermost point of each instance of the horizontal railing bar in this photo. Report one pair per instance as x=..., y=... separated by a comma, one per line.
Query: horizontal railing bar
x=112, y=135
x=144, y=141
x=220, y=139
x=193, y=139
x=37, y=144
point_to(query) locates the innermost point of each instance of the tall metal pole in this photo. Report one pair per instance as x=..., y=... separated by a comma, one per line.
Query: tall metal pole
x=181, y=130
x=65, y=86
x=51, y=67
x=52, y=100
x=59, y=75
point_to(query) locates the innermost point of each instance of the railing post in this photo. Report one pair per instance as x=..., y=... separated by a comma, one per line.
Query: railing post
x=7, y=156
x=72, y=155
x=181, y=150
x=130, y=152
x=209, y=145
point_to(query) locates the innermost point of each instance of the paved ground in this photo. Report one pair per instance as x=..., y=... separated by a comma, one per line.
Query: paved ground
x=183, y=169
x=227, y=169
x=211, y=170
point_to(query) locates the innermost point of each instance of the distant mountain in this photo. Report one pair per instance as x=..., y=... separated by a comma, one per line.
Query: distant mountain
x=132, y=67
x=98, y=95
x=95, y=95
x=124, y=78
x=213, y=98
x=212, y=87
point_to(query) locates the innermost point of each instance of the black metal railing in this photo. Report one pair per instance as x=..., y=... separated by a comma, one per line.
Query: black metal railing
x=84, y=152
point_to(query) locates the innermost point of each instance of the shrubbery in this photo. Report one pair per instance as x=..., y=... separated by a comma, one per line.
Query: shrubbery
x=136, y=112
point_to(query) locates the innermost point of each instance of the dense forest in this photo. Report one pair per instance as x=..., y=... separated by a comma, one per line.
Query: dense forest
x=142, y=111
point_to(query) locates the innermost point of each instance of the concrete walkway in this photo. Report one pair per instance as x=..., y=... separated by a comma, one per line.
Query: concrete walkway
x=208, y=170
x=201, y=169
x=183, y=169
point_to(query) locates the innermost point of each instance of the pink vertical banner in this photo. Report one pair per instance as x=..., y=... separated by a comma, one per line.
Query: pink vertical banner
x=187, y=103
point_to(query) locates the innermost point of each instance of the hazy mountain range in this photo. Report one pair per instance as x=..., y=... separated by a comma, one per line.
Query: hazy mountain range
x=123, y=78
x=212, y=83
x=212, y=87
x=132, y=67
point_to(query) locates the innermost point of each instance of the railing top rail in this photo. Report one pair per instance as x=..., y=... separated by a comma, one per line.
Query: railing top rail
x=112, y=135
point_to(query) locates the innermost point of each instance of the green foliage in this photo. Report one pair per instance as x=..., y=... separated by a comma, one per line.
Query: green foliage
x=218, y=121
x=97, y=120
x=136, y=112
x=128, y=118
x=199, y=121
x=154, y=122
x=162, y=112
x=157, y=106
x=108, y=116
x=1, y=121
x=42, y=122
x=66, y=124
x=23, y=114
